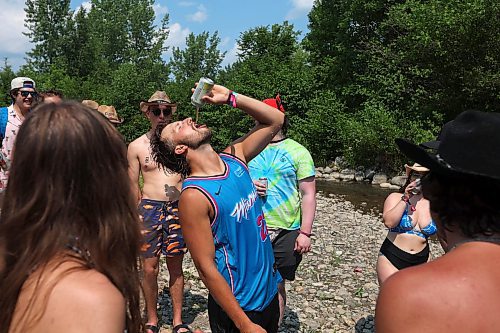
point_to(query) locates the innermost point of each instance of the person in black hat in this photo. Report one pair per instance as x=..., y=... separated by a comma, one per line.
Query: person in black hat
x=457, y=292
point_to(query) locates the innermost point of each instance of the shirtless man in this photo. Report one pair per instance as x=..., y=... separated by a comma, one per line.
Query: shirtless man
x=158, y=204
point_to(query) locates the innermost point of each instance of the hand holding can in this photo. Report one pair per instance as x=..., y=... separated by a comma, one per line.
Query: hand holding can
x=261, y=185
x=203, y=88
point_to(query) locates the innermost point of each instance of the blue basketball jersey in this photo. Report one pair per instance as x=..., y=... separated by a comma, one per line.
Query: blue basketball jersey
x=243, y=251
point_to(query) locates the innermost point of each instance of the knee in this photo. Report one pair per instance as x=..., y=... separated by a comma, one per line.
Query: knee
x=150, y=270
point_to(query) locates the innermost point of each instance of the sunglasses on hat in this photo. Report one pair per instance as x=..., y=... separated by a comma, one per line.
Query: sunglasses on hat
x=27, y=93
x=157, y=111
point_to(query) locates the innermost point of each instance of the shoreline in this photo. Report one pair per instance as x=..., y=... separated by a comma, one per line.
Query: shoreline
x=336, y=284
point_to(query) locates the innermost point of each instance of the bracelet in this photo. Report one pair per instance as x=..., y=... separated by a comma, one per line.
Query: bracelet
x=231, y=99
x=405, y=198
x=305, y=233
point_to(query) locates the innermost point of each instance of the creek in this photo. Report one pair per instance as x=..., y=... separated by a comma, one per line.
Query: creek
x=364, y=196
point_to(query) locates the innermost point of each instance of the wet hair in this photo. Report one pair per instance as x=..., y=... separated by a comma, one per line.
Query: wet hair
x=469, y=203
x=68, y=187
x=163, y=153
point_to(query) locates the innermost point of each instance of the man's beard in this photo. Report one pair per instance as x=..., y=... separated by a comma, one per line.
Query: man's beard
x=196, y=142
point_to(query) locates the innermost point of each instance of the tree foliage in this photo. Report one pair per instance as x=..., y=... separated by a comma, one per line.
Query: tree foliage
x=366, y=72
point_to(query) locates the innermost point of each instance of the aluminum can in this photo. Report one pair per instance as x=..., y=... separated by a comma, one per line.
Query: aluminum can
x=263, y=180
x=204, y=87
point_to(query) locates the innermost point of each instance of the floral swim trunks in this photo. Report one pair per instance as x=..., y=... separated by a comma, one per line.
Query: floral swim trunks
x=162, y=230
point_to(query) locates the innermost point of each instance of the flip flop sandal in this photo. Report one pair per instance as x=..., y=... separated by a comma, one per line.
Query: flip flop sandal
x=178, y=327
x=153, y=328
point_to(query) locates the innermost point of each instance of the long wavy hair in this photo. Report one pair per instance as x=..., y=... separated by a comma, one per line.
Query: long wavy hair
x=68, y=187
x=162, y=151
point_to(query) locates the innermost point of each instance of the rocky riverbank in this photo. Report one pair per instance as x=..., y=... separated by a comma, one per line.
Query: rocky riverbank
x=336, y=286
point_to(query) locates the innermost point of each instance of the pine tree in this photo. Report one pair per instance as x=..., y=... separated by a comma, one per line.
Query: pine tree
x=47, y=24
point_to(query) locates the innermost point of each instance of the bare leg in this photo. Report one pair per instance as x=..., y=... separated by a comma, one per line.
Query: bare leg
x=282, y=300
x=384, y=269
x=176, y=287
x=150, y=286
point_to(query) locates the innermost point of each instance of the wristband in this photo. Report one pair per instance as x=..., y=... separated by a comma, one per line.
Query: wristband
x=231, y=99
x=405, y=198
x=305, y=233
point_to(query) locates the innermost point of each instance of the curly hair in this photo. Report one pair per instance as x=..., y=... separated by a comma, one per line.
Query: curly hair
x=469, y=203
x=164, y=155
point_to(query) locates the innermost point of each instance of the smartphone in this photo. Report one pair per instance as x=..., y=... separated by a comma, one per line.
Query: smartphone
x=418, y=187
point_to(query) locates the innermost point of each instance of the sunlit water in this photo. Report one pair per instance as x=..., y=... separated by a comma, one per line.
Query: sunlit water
x=363, y=196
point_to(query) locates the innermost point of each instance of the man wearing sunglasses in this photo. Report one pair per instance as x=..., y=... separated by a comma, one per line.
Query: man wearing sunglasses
x=23, y=95
x=158, y=208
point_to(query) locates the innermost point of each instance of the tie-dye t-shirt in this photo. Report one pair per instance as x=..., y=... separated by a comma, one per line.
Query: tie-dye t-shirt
x=283, y=164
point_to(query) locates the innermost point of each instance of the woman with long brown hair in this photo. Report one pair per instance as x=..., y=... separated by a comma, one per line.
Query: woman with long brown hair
x=69, y=232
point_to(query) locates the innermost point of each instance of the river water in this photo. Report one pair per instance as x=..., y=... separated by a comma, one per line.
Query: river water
x=363, y=196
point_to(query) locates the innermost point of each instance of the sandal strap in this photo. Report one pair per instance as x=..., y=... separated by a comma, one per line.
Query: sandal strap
x=154, y=328
x=178, y=327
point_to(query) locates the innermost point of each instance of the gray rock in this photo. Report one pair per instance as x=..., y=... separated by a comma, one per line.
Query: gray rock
x=379, y=178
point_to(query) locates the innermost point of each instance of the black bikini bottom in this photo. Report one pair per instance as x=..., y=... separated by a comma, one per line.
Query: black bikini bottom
x=401, y=259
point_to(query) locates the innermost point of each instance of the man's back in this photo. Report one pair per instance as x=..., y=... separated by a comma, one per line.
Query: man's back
x=158, y=184
x=458, y=292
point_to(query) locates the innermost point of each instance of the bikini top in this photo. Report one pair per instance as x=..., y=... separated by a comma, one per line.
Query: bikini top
x=405, y=227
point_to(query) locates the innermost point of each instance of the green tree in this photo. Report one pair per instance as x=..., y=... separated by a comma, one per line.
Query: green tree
x=200, y=57
x=47, y=24
x=6, y=76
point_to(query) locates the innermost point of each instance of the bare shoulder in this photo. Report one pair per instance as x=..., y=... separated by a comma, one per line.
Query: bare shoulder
x=192, y=198
x=391, y=200
x=85, y=301
x=138, y=143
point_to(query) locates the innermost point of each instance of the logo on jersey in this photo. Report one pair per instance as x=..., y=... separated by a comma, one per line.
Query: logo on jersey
x=239, y=172
x=261, y=223
x=243, y=206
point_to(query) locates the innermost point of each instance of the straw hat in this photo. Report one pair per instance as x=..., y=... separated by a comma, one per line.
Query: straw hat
x=109, y=112
x=90, y=103
x=159, y=97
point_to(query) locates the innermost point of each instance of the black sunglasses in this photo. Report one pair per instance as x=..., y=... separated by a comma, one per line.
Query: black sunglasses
x=166, y=112
x=33, y=94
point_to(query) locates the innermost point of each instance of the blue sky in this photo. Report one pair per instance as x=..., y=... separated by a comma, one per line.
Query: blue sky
x=229, y=18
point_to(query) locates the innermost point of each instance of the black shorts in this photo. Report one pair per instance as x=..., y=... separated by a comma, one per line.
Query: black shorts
x=221, y=323
x=286, y=259
x=401, y=259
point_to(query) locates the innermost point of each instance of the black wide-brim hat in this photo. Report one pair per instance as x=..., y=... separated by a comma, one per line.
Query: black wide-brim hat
x=469, y=146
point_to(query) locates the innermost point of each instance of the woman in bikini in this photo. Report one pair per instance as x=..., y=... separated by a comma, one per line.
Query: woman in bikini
x=69, y=230
x=459, y=291
x=408, y=218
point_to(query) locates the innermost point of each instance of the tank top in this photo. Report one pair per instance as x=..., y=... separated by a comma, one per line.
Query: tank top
x=243, y=251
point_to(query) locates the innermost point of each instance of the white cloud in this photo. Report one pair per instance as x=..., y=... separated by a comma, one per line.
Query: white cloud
x=200, y=15
x=225, y=41
x=87, y=5
x=176, y=38
x=13, y=43
x=299, y=8
x=159, y=10
x=231, y=55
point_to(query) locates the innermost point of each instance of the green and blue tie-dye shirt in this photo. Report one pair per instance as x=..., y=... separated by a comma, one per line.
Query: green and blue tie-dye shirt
x=283, y=164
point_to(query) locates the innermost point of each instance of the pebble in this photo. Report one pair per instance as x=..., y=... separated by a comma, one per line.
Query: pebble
x=336, y=287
